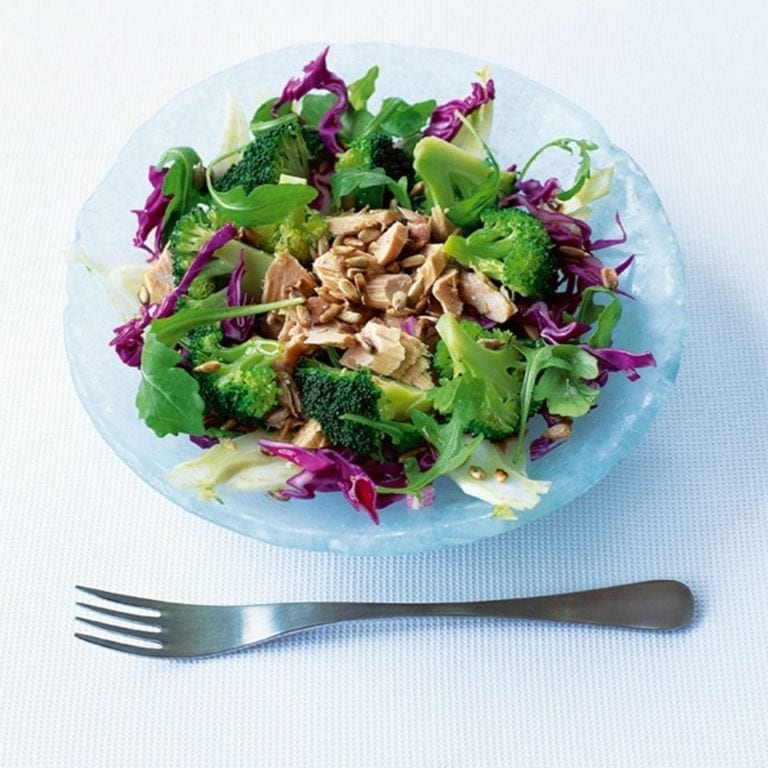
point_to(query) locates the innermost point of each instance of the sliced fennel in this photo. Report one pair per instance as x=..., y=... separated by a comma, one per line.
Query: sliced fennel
x=481, y=120
x=489, y=475
x=596, y=186
x=235, y=134
x=239, y=464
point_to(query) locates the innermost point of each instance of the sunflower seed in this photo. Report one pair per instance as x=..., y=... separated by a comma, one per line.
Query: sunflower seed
x=571, y=252
x=478, y=473
x=350, y=317
x=360, y=282
x=304, y=316
x=210, y=366
x=609, y=278
x=359, y=261
x=412, y=261
x=559, y=431
x=348, y=289
x=369, y=235
x=329, y=313
x=416, y=290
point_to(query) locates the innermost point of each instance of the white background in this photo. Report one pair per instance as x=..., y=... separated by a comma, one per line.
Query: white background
x=681, y=87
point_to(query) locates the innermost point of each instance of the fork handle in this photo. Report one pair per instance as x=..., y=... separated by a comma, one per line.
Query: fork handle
x=660, y=604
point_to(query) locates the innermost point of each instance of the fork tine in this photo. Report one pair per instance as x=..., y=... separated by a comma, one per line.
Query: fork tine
x=138, y=602
x=125, y=647
x=139, y=618
x=141, y=634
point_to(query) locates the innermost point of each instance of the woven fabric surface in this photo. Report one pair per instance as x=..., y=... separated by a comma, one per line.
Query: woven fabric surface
x=681, y=88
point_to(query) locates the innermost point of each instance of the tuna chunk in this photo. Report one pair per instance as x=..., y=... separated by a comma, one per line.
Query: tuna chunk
x=286, y=278
x=378, y=348
x=382, y=291
x=310, y=436
x=352, y=223
x=391, y=352
x=159, y=279
x=432, y=267
x=477, y=290
x=441, y=226
x=388, y=247
x=333, y=334
x=419, y=229
x=446, y=291
x=415, y=366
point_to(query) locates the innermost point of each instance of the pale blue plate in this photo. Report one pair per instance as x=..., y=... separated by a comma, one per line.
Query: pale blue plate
x=526, y=116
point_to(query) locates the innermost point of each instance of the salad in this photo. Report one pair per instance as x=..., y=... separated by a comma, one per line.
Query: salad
x=363, y=301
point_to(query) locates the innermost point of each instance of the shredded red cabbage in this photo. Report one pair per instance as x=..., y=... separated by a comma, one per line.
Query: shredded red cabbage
x=321, y=181
x=410, y=324
x=128, y=340
x=238, y=328
x=610, y=242
x=203, y=441
x=318, y=77
x=611, y=360
x=588, y=271
x=538, y=314
x=326, y=470
x=539, y=198
x=151, y=215
x=445, y=123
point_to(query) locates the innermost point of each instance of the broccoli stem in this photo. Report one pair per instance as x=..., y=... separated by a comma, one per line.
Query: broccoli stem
x=473, y=257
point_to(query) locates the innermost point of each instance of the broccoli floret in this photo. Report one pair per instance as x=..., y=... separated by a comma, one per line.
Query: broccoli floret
x=315, y=147
x=458, y=181
x=236, y=382
x=327, y=394
x=485, y=384
x=375, y=152
x=378, y=150
x=191, y=233
x=513, y=248
x=278, y=148
x=298, y=233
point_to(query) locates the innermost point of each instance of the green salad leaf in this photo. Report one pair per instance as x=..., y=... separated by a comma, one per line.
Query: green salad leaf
x=450, y=444
x=168, y=399
x=583, y=172
x=361, y=90
x=347, y=181
x=602, y=316
x=265, y=204
x=179, y=184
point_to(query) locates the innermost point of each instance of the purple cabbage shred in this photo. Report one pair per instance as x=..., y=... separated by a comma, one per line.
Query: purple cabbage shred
x=445, y=123
x=151, y=215
x=321, y=181
x=317, y=76
x=538, y=314
x=238, y=328
x=611, y=360
x=326, y=470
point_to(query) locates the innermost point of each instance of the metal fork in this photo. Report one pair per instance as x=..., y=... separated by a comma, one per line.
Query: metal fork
x=177, y=630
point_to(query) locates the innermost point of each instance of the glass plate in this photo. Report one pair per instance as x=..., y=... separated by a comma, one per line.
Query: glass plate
x=526, y=116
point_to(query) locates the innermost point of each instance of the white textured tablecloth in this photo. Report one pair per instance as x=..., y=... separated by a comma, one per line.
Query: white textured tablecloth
x=681, y=87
